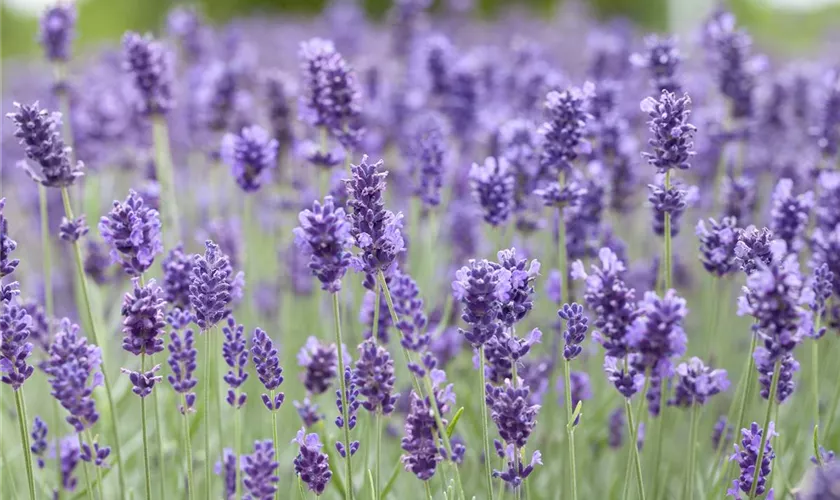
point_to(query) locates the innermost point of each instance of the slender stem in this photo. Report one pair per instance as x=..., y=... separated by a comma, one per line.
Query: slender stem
x=774, y=385
x=217, y=384
x=300, y=488
x=85, y=468
x=237, y=447
x=562, y=254
x=159, y=436
x=188, y=445
x=80, y=272
x=274, y=435
x=717, y=292
x=667, y=256
x=692, y=443
x=208, y=483
x=485, y=433
x=376, y=312
x=660, y=431
x=166, y=178
x=24, y=440
x=635, y=449
x=815, y=375
x=834, y=400
x=56, y=446
x=98, y=469
x=636, y=422
x=145, y=437
x=47, y=251
x=378, y=482
x=570, y=430
x=428, y=489
x=749, y=386
x=348, y=468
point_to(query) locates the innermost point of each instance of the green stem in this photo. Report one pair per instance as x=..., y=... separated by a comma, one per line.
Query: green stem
x=217, y=385
x=145, y=437
x=660, y=431
x=375, y=325
x=774, y=385
x=562, y=253
x=378, y=483
x=89, y=437
x=485, y=433
x=570, y=431
x=427, y=489
x=717, y=292
x=188, y=445
x=159, y=435
x=635, y=449
x=85, y=468
x=667, y=256
x=208, y=488
x=47, y=251
x=834, y=401
x=815, y=375
x=166, y=178
x=24, y=440
x=348, y=468
x=635, y=432
x=237, y=447
x=80, y=272
x=274, y=435
x=692, y=443
x=56, y=445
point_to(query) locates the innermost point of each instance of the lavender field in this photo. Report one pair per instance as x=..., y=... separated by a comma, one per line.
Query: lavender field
x=435, y=257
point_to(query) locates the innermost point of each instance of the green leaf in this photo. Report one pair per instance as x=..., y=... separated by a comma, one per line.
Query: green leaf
x=372, y=486
x=451, y=427
x=817, y=453
x=577, y=413
x=391, y=480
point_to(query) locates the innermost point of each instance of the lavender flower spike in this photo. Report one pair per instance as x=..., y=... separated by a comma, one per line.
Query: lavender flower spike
x=7, y=245
x=177, y=268
x=57, y=29
x=143, y=319
x=39, y=440
x=627, y=382
x=747, y=455
x=696, y=383
x=790, y=214
x=72, y=230
x=133, y=231
x=657, y=335
x=259, y=468
x=672, y=140
x=561, y=135
x=73, y=368
x=324, y=236
x=481, y=286
x=267, y=364
x=143, y=382
x=251, y=155
x=717, y=245
x=15, y=326
x=182, y=358
x=149, y=65
x=374, y=376
x=311, y=464
x=321, y=363
x=235, y=355
x=492, y=185
x=210, y=286
x=576, y=325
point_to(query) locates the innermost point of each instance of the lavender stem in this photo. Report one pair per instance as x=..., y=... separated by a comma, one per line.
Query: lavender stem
x=24, y=440
x=570, y=428
x=145, y=437
x=188, y=445
x=344, y=405
x=774, y=385
x=274, y=434
x=85, y=468
x=159, y=436
x=163, y=165
x=207, y=486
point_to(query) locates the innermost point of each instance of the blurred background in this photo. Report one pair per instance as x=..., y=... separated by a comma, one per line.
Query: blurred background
x=782, y=25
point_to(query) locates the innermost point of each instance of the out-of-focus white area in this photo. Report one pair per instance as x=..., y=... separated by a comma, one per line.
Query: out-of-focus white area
x=801, y=4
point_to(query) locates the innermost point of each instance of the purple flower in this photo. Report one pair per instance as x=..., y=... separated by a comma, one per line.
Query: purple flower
x=15, y=326
x=519, y=297
x=408, y=305
x=177, y=268
x=581, y=389
x=426, y=154
x=210, y=286
x=823, y=483
x=97, y=263
x=149, y=65
x=182, y=358
x=7, y=245
x=672, y=140
x=670, y=201
x=96, y=454
x=462, y=99
x=435, y=55
x=827, y=135
x=657, y=334
x=825, y=456
x=321, y=363
x=561, y=136
x=251, y=155
x=311, y=464
x=481, y=287
x=821, y=283
x=738, y=195
x=57, y=30
x=627, y=381
x=420, y=444
x=308, y=412
x=826, y=245
x=611, y=301
x=235, y=355
x=569, y=194
x=516, y=470
x=69, y=458
x=515, y=417
x=616, y=428
x=39, y=440
x=377, y=232
x=351, y=394
x=790, y=214
x=696, y=383
x=374, y=377
x=267, y=364
x=735, y=66
x=143, y=319
x=227, y=468
x=576, y=325
x=74, y=373
x=72, y=230
x=721, y=433
x=133, y=232
x=747, y=456
x=766, y=365
x=753, y=248
x=187, y=27
x=38, y=131
x=717, y=245
x=143, y=382
x=259, y=468
x=324, y=236
x=277, y=95
x=661, y=60
x=217, y=96
x=492, y=185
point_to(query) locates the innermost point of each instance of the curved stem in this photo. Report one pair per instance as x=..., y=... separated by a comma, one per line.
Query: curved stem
x=24, y=440
x=348, y=468
x=208, y=483
x=485, y=433
x=667, y=256
x=692, y=443
x=145, y=437
x=375, y=326
x=237, y=449
x=428, y=490
x=46, y=248
x=815, y=376
x=570, y=428
x=378, y=483
x=635, y=424
x=188, y=445
x=774, y=385
x=834, y=400
x=159, y=436
x=562, y=254
x=85, y=469
x=274, y=435
x=98, y=469
x=80, y=272
x=635, y=448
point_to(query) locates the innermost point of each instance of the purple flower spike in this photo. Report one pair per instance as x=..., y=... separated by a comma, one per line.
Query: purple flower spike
x=790, y=214
x=672, y=141
x=260, y=471
x=657, y=334
x=57, y=30
x=143, y=382
x=133, y=231
x=427, y=154
x=722, y=433
x=576, y=326
x=735, y=65
x=561, y=135
x=324, y=237
x=321, y=363
x=143, y=319
x=210, y=286
x=422, y=453
x=182, y=358
x=616, y=428
x=492, y=184
x=7, y=245
x=765, y=366
x=717, y=245
x=69, y=459
x=696, y=383
x=72, y=230
x=670, y=201
x=235, y=355
x=308, y=412
x=267, y=364
x=510, y=409
x=177, y=268
x=150, y=67
x=97, y=454
x=74, y=373
x=251, y=155
x=377, y=231
x=627, y=382
x=228, y=468
x=15, y=326
x=39, y=440
x=409, y=306
x=747, y=455
x=822, y=485
x=753, y=248
x=311, y=464
x=374, y=376
x=352, y=394
x=519, y=298
x=481, y=287
x=515, y=474
x=38, y=131
x=661, y=60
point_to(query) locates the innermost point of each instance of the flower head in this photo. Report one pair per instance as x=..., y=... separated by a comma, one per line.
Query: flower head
x=7, y=245
x=753, y=248
x=182, y=357
x=143, y=382
x=39, y=440
x=492, y=185
x=790, y=214
x=324, y=236
x=562, y=134
x=235, y=355
x=672, y=140
x=427, y=154
x=15, y=326
x=519, y=296
x=143, y=318
x=717, y=245
x=321, y=363
x=57, y=29
x=133, y=231
x=267, y=364
x=374, y=376
x=251, y=155
x=311, y=464
x=747, y=456
x=576, y=325
x=657, y=333
x=210, y=286
x=72, y=230
x=73, y=368
x=696, y=383
x=259, y=471
x=510, y=409
x=150, y=67
x=351, y=395
x=177, y=269
x=627, y=381
x=482, y=286
x=661, y=60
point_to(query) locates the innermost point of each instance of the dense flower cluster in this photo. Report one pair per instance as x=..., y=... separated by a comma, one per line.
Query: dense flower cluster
x=324, y=236
x=311, y=464
x=251, y=155
x=210, y=286
x=74, y=373
x=747, y=456
x=133, y=231
x=235, y=354
x=149, y=65
x=696, y=383
x=492, y=184
x=267, y=365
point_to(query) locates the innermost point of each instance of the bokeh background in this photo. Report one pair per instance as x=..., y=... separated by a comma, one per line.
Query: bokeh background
x=780, y=25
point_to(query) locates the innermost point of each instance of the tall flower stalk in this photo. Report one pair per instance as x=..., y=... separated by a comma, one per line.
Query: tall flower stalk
x=182, y=362
x=576, y=327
